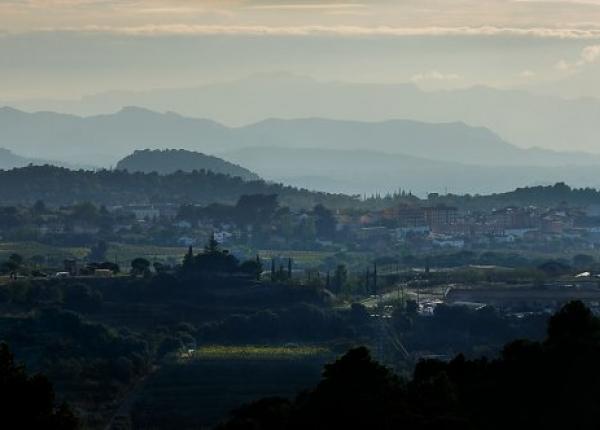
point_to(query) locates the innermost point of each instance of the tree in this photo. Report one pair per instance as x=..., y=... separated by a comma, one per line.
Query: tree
x=81, y=297
x=212, y=246
x=554, y=384
x=213, y=259
x=554, y=268
x=325, y=222
x=188, y=259
x=98, y=252
x=572, y=321
x=13, y=264
x=29, y=402
x=252, y=267
x=140, y=266
x=256, y=209
x=159, y=267
x=340, y=278
x=39, y=207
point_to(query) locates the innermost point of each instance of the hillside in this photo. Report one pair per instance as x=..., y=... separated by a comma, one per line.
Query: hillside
x=61, y=186
x=171, y=160
x=9, y=160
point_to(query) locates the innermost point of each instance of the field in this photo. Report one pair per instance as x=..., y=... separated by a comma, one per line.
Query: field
x=30, y=249
x=253, y=352
x=303, y=258
x=200, y=389
x=120, y=253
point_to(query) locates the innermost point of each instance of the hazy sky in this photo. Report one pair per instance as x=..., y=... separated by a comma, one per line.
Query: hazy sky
x=68, y=48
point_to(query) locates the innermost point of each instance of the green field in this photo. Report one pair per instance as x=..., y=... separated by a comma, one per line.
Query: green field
x=29, y=249
x=200, y=390
x=304, y=258
x=121, y=253
x=253, y=352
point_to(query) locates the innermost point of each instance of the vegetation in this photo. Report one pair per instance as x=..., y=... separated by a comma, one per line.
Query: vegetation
x=60, y=186
x=550, y=384
x=172, y=160
x=254, y=352
x=29, y=401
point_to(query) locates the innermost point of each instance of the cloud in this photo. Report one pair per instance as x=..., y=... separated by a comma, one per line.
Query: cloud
x=335, y=30
x=434, y=75
x=309, y=6
x=588, y=55
x=527, y=74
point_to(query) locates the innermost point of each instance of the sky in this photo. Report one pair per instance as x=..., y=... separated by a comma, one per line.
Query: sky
x=70, y=48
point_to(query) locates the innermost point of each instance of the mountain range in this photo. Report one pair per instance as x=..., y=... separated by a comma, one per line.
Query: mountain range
x=104, y=139
x=313, y=153
x=10, y=160
x=367, y=172
x=520, y=117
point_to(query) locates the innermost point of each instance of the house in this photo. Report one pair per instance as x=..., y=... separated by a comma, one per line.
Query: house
x=142, y=213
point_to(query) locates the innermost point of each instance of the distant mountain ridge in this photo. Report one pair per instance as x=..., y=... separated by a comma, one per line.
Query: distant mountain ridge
x=524, y=119
x=10, y=160
x=366, y=172
x=170, y=161
x=104, y=139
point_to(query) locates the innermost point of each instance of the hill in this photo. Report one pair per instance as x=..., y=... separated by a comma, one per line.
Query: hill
x=170, y=161
x=61, y=186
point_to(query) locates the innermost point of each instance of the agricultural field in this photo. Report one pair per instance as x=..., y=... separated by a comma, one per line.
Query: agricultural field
x=254, y=352
x=200, y=389
x=303, y=258
x=124, y=253
x=121, y=253
x=31, y=249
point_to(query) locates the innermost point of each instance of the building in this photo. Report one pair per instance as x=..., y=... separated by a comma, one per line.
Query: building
x=440, y=215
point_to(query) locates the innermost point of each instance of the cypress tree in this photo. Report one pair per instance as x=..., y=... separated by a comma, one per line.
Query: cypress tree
x=188, y=259
x=258, y=267
x=375, y=278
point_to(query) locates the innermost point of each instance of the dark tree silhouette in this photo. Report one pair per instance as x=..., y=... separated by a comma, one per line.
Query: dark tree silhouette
x=554, y=384
x=29, y=402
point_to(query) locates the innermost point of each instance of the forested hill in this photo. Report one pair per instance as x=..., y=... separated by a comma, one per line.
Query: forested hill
x=542, y=195
x=173, y=160
x=61, y=186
